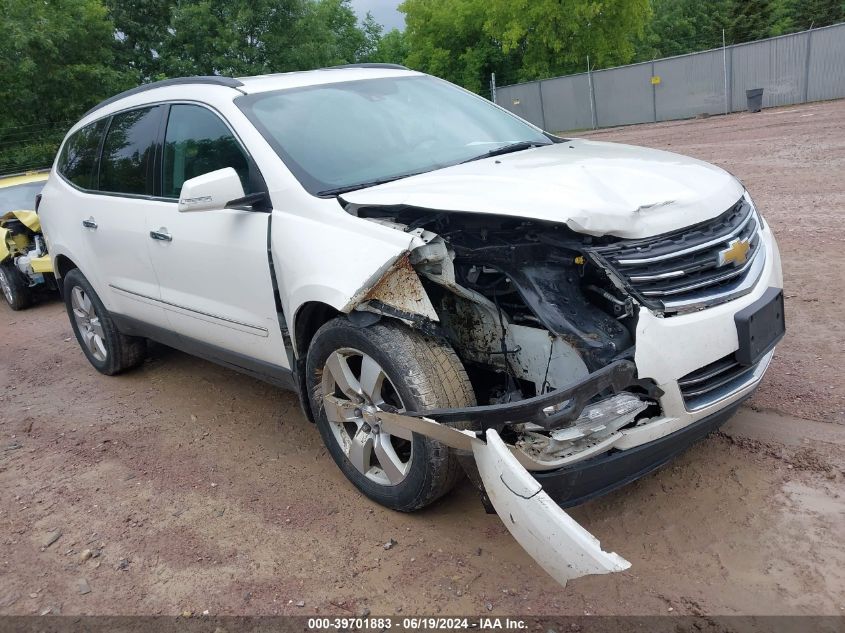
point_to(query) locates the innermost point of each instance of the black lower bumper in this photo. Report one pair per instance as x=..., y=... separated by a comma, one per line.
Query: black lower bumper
x=595, y=477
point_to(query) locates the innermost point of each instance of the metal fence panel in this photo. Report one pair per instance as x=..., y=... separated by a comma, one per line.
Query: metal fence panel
x=624, y=95
x=523, y=100
x=776, y=65
x=796, y=68
x=690, y=85
x=827, y=63
x=566, y=103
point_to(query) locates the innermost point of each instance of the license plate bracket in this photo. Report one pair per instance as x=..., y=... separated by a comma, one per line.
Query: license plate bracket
x=760, y=326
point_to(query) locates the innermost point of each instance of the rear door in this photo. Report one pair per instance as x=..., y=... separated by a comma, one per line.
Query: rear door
x=113, y=216
x=212, y=266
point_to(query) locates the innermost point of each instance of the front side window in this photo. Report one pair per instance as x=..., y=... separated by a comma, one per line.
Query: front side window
x=348, y=135
x=126, y=163
x=79, y=155
x=198, y=142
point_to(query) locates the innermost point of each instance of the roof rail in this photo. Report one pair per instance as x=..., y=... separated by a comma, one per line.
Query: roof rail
x=372, y=65
x=230, y=82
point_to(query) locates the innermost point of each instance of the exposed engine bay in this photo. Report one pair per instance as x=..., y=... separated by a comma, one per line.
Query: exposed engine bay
x=530, y=313
x=23, y=255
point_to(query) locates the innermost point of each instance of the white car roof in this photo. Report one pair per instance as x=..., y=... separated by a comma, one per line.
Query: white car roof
x=280, y=81
x=217, y=86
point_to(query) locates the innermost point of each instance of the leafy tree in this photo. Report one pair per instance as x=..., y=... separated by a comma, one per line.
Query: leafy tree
x=681, y=26
x=329, y=36
x=813, y=13
x=392, y=48
x=141, y=28
x=556, y=36
x=372, y=31
x=238, y=37
x=757, y=19
x=449, y=38
x=56, y=60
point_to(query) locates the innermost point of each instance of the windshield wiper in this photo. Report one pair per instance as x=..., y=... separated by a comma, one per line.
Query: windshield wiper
x=510, y=148
x=363, y=185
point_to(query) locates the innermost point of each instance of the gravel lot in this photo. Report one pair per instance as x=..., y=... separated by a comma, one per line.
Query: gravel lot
x=183, y=486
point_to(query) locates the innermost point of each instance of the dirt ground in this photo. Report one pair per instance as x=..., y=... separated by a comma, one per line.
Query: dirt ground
x=194, y=488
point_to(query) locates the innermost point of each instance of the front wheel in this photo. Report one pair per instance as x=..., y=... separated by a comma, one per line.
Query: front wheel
x=352, y=373
x=15, y=291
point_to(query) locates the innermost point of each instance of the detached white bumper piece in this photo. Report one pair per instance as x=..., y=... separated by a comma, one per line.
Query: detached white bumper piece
x=559, y=545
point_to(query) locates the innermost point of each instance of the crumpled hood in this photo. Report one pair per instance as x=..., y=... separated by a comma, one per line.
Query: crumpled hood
x=595, y=188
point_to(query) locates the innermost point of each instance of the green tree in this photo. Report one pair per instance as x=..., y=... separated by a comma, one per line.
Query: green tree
x=555, y=36
x=392, y=48
x=141, y=28
x=56, y=60
x=238, y=37
x=372, y=31
x=758, y=19
x=683, y=26
x=448, y=38
x=813, y=13
x=329, y=36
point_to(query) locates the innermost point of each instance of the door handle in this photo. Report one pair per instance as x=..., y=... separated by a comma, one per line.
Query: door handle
x=89, y=223
x=161, y=235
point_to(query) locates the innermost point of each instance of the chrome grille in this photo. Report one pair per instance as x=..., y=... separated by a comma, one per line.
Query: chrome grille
x=686, y=270
x=723, y=376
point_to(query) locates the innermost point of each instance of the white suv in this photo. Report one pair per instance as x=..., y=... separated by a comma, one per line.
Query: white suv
x=447, y=287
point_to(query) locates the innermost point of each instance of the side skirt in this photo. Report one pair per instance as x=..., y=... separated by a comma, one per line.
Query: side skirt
x=268, y=372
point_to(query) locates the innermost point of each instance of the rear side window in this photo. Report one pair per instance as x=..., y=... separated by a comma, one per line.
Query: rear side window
x=128, y=152
x=79, y=155
x=197, y=142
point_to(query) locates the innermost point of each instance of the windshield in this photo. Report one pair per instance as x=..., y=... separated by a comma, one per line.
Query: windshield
x=344, y=136
x=19, y=197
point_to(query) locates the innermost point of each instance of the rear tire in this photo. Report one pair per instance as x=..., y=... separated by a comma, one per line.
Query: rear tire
x=417, y=373
x=15, y=291
x=109, y=351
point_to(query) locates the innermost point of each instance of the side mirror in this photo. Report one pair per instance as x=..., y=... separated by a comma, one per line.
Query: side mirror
x=213, y=190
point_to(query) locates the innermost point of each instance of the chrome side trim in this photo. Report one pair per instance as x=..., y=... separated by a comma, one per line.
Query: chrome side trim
x=258, y=330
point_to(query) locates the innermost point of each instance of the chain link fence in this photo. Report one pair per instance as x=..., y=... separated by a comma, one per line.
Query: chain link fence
x=796, y=68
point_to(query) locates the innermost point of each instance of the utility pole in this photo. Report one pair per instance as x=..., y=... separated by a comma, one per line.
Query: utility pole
x=493, y=87
x=725, y=70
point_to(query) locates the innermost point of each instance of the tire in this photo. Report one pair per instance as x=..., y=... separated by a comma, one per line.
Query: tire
x=15, y=291
x=419, y=372
x=109, y=351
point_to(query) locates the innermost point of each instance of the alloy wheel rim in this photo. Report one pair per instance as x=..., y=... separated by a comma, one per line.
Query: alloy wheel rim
x=7, y=288
x=355, y=387
x=90, y=328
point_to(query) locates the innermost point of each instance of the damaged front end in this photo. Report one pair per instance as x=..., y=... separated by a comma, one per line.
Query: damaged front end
x=547, y=341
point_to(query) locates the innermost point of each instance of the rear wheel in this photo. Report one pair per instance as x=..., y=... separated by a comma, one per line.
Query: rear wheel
x=109, y=351
x=352, y=373
x=15, y=290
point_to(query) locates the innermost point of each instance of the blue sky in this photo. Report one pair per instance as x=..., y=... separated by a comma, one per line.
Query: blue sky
x=384, y=11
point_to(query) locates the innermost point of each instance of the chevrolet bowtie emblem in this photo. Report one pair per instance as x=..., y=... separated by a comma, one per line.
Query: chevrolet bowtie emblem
x=736, y=253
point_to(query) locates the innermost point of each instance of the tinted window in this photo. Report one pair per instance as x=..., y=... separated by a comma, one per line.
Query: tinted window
x=128, y=151
x=79, y=155
x=198, y=142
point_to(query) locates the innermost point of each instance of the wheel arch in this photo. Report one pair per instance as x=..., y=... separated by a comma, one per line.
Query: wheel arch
x=62, y=265
x=307, y=319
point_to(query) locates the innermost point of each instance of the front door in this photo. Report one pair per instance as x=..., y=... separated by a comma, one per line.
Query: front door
x=212, y=266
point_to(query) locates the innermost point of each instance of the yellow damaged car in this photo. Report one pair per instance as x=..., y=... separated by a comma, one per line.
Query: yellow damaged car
x=25, y=266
